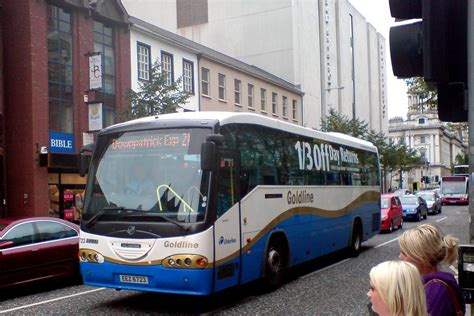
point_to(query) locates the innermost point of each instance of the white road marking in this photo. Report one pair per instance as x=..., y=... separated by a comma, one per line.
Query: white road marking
x=387, y=242
x=325, y=268
x=51, y=300
x=441, y=219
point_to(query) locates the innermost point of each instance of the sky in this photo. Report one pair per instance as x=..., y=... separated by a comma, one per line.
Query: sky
x=377, y=13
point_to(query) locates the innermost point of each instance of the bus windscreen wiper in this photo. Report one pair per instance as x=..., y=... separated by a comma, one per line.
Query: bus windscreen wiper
x=165, y=218
x=94, y=218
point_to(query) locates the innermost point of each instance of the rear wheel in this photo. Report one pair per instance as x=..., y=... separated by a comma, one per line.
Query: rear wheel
x=356, y=239
x=275, y=266
x=390, y=227
x=401, y=224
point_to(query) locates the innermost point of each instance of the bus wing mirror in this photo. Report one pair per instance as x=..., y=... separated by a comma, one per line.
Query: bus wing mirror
x=216, y=139
x=84, y=159
x=208, y=156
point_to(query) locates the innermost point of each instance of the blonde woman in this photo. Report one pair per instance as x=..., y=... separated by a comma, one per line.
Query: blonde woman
x=427, y=248
x=396, y=289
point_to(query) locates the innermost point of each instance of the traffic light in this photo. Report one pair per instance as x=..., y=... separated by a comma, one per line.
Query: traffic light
x=434, y=48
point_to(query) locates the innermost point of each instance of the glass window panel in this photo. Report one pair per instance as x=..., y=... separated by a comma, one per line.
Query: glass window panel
x=63, y=15
x=108, y=40
x=108, y=31
x=99, y=38
x=55, y=91
x=109, y=86
x=66, y=48
x=109, y=61
x=98, y=48
x=55, y=72
x=98, y=27
x=64, y=27
x=52, y=22
x=109, y=117
x=54, y=115
x=68, y=75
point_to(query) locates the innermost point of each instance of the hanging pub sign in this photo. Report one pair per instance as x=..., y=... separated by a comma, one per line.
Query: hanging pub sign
x=95, y=116
x=95, y=72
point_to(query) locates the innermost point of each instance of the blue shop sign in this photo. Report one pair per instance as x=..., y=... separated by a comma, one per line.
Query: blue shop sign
x=61, y=143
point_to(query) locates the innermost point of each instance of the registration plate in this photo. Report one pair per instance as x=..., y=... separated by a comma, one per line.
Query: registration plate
x=137, y=279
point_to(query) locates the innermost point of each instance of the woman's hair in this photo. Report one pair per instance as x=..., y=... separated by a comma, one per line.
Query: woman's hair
x=428, y=245
x=399, y=285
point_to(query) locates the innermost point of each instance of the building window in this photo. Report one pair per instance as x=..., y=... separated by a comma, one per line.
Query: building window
x=104, y=44
x=274, y=103
x=60, y=70
x=263, y=99
x=285, y=106
x=422, y=139
x=188, y=76
x=293, y=109
x=205, y=82
x=221, y=80
x=167, y=67
x=250, y=89
x=237, y=88
x=422, y=120
x=144, y=61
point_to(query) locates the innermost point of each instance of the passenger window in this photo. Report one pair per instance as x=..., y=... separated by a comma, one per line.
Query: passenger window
x=23, y=234
x=52, y=231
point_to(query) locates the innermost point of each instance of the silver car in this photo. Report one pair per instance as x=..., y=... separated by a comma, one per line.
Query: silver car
x=433, y=201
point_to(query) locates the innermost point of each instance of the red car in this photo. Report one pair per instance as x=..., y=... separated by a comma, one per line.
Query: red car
x=37, y=248
x=392, y=212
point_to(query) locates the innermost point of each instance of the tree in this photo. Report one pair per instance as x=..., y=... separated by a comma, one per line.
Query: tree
x=155, y=96
x=393, y=157
x=427, y=95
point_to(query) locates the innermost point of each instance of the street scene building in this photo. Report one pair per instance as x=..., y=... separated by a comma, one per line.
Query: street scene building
x=424, y=132
x=214, y=81
x=68, y=67
x=325, y=47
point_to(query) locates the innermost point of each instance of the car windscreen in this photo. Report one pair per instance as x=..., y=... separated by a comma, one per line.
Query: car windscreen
x=427, y=197
x=385, y=202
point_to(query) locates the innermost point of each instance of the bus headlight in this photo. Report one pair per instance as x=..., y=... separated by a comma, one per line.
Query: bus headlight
x=185, y=261
x=92, y=256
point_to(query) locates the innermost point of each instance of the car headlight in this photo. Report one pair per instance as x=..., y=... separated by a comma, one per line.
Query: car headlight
x=384, y=216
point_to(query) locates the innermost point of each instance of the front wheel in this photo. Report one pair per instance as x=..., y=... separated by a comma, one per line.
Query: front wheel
x=390, y=228
x=275, y=266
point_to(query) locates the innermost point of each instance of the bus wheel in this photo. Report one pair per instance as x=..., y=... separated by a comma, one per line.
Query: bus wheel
x=356, y=240
x=275, y=266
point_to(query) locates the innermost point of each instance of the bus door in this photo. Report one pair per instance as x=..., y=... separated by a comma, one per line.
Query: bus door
x=227, y=243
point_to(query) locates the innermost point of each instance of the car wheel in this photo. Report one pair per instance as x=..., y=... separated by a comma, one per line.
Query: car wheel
x=401, y=224
x=275, y=266
x=418, y=216
x=390, y=227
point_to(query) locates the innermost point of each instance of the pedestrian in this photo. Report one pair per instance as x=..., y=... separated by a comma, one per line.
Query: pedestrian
x=396, y=289
x=428, y=248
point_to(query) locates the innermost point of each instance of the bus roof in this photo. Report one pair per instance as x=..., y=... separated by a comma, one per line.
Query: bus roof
x=225, y=118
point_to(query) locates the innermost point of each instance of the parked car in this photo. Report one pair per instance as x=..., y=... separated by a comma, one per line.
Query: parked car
x=37, y=248
x=433, y=201
x=392, y=212
x=414, y=207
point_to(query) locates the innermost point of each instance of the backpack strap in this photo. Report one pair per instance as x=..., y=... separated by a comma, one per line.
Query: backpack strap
x=452, y=294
